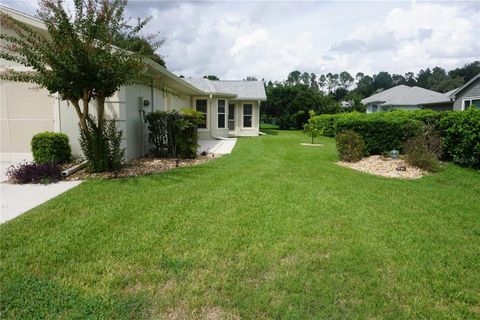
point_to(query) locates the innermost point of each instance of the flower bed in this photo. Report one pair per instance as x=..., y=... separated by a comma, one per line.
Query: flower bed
x=141, y=167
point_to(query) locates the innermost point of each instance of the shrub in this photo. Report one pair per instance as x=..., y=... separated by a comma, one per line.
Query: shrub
x=460, y=133
x=310, y=129
x=51, y=147
x=101, y=146
x=285, y=122
x=380, y=133
x=174, y=134
x=325, y=123
x=424, y=150
x=350, y=146
x=34, y=173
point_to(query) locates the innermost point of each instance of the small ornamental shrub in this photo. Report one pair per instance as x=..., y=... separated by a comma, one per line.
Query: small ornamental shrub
x=174, y=134
x=311, y=129
x=460, y=131
x=350, y=146
x=51, y=147
x=101, y=146
x=31, y=172
x=424, y=150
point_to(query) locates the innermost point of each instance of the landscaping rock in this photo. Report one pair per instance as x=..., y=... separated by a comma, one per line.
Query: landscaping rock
x=391, y=168
x=312, y=144
x=141, y=167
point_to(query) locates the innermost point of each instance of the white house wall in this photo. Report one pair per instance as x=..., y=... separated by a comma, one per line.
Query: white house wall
x=69, y=123
x=242, y=131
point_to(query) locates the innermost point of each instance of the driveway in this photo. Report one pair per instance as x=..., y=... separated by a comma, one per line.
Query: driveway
x=16, y=199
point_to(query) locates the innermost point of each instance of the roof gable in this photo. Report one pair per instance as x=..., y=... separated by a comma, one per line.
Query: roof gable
x=406, y=96
x=466, y=85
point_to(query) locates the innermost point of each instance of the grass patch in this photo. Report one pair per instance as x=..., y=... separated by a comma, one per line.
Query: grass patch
x=274, y=230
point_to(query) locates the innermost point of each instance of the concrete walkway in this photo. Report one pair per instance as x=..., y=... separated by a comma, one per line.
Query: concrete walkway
x=224, y=146
x=16, y=199
x=19, y=198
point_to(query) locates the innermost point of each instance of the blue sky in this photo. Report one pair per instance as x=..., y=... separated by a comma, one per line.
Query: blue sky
x=268, y=39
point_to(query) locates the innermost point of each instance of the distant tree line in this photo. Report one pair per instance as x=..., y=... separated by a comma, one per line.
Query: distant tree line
x=289, y=101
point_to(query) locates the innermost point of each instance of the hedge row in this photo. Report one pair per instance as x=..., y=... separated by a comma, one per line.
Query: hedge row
x=384, y=131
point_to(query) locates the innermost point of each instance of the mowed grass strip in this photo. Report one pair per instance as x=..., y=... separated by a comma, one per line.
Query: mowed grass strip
x=274, y=230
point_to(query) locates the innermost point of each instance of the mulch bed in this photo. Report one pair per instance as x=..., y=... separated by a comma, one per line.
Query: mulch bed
x=385, y=167
x=141, y=167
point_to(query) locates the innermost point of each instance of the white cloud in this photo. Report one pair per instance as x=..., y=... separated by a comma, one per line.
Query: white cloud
x=423, y=35
x=270, y=39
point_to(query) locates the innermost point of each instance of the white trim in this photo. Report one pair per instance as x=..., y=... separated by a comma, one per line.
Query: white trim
x=56, y=113
x=469, y=99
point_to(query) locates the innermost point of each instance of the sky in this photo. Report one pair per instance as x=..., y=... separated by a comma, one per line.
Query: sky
x=268, y=39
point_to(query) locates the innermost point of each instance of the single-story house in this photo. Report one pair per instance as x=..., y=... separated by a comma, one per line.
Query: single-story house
x=403, y=97
x=467, y=95
x=231, y=108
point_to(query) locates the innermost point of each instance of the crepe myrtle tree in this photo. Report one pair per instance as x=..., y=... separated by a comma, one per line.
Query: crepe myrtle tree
x=80, y=57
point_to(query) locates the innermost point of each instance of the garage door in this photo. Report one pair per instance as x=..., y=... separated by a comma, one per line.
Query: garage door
x=25, y=111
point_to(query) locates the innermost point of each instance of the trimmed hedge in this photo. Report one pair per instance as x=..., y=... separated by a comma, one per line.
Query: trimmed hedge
x=51, y=147
x=384, y=131
x=380, y=134
x=460, y=132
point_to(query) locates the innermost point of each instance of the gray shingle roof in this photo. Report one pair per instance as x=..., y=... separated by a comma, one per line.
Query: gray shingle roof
x=406, y=96
x=241, y=90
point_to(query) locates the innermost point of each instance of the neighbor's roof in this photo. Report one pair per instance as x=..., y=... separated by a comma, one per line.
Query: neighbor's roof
x=237, y=89
x=403, y=95
x=453, y=93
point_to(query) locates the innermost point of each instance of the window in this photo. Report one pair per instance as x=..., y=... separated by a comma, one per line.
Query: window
x=471, y=102
x=374, y=108
x=201, y=106
x=221, y=114
x=247, y=115
x=231, y=116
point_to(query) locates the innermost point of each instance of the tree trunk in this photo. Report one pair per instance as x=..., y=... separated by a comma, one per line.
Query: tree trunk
x=100, y=111
x=81, y=116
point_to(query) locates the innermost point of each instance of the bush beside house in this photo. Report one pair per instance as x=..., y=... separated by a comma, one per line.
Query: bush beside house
x=51, y=147
x=174, y=134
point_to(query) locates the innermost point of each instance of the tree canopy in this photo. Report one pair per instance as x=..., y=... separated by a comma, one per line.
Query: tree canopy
x=88, y=54
x=291, y=99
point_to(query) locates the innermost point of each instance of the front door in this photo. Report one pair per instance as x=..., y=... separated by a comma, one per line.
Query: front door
x=231, y=117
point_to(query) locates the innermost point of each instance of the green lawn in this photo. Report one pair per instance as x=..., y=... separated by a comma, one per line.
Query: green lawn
x=273, y=231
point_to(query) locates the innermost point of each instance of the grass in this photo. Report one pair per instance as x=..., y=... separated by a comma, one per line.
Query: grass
x=274, y=230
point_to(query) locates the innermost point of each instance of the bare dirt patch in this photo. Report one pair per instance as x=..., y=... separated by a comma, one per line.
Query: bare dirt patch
x=385, y=167
x=142, y=167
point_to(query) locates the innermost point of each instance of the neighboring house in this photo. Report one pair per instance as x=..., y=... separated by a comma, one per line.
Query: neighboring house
x=231, y=108
x=403, y=97
x=467, y=95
